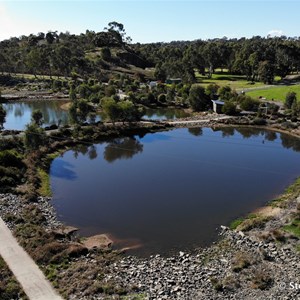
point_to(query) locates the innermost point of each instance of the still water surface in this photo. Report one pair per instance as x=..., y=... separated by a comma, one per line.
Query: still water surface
x=171, y=190
x=19, y=113
x=164, y=113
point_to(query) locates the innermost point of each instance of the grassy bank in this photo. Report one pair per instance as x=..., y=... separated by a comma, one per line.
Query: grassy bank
x=45, y=188
x=283, y=215
x=277, y=93
x=64, y=260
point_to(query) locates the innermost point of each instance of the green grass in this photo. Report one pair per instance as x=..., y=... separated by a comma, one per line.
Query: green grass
x=235, y=223
x=291, y=191
x=294, y=188
x=45, y=189
x=277, y=93
x=293, y=228
x=238, y=82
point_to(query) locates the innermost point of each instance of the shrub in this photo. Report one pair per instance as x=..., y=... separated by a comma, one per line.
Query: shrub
x=249, y=104
x=290, y=98
x=259, y=121
x=34, y=137
x=240, y=262
x=229, y=108
x=261, y=280
x=8, y=158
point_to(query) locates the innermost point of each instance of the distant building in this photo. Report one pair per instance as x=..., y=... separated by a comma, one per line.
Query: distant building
x=153, y=84
x=217, y=106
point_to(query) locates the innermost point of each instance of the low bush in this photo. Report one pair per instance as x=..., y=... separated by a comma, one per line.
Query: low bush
x=261, y=280
x=240, y=262
x=259, y=121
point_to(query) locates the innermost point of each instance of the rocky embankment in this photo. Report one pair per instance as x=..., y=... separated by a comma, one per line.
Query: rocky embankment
x=242, y=265
x=239, y=267
x=12, y=207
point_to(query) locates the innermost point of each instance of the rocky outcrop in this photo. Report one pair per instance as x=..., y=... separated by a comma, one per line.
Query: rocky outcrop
x=239, y=267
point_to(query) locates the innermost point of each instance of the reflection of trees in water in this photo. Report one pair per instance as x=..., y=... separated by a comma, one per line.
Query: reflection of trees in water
x=270, y=136
x=168, y=113
x=290, y=142
x=51, y=111
x=15, y=109
x=249, y=132
x=227, y=131
x=80, y=149
x=122, y=148
x=196, y=131
x=92, y=152
x=287, y=141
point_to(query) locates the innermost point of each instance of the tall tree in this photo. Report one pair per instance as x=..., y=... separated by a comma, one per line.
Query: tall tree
x=37, y=117
x=2, y=115
x=198, y=99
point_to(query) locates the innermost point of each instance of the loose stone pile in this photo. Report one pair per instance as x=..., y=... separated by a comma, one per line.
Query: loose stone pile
x=240, y=266
x=13, y=205
x=272, y=273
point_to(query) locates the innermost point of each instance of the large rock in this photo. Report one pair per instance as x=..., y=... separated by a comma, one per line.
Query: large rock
x=101, y=241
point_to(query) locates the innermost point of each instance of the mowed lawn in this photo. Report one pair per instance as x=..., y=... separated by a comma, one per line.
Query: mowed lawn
x=236, y=82
x=277, y=93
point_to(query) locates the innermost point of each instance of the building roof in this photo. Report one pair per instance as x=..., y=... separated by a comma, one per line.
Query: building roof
x=220, y=102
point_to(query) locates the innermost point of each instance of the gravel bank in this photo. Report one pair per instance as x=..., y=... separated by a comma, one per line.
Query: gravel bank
x=243, y=265
x=240, y=267
x=13, y=205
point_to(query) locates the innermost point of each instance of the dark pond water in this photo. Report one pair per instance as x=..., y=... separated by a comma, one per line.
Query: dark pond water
x=19, y=113
x=170, y=191
x=165, y=113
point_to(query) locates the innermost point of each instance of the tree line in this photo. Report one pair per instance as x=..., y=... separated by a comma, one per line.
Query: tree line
x=64, y=54
x=258, y=58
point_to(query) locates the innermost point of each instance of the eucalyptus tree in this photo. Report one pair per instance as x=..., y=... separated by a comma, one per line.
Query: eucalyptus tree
x=198, y=99
x=2, y=115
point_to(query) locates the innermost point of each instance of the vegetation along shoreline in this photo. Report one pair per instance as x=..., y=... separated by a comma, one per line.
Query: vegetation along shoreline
x=42, y=218
x=110, y=85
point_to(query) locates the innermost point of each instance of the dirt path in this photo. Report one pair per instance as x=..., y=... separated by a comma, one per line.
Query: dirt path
x=31, y=278
x=187, y=122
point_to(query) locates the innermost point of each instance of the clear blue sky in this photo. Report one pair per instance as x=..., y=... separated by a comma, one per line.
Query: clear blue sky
x=153, y=21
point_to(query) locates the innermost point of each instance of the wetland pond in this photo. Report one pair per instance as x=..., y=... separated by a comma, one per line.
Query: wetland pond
x=19, y=113
x=170, y=191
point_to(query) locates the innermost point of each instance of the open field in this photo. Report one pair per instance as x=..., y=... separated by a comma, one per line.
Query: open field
x=236, y=82
x=277, y=93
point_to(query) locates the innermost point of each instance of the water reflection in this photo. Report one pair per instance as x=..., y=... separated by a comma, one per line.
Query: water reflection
x=286, y=140
x=122, y=148
x=92, y=152
x=178, y=190
x=19, y=113
x=63, y=169
x=290, y=143
x=196, y=131
x=165, y=113
x=80, y=149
